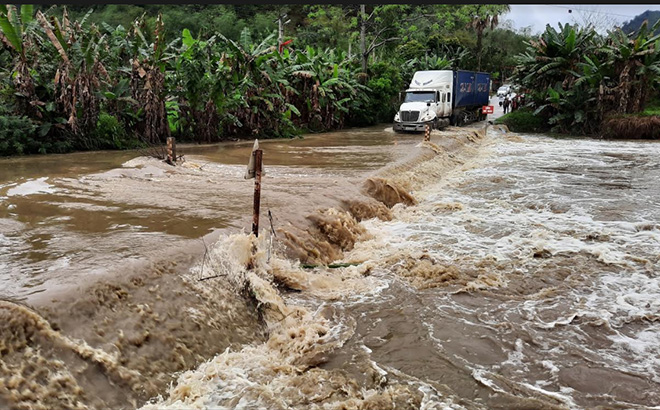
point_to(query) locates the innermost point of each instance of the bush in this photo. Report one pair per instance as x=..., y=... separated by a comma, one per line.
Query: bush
x=109, y=134
x=381, y=103
x=523, y=120
x=18, y=136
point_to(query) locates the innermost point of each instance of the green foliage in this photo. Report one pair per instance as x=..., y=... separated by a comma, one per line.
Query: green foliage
x=107, y=77
x=19, y=135
x=577, y=78
x=384, y=85
x=523, y=120
x=111, y=134
x=411, y=49
x=652, y=109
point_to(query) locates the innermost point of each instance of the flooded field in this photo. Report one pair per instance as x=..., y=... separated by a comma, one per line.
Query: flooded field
x=482, y=270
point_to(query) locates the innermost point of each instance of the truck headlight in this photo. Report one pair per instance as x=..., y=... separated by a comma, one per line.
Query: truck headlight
x=396, y=117
x=428, y=116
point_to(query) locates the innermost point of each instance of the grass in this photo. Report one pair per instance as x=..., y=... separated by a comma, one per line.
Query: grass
x=523, y=120
x=643, y=125
x=651, y=110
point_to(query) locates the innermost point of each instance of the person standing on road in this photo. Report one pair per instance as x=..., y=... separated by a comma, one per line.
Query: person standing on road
x=505, y=104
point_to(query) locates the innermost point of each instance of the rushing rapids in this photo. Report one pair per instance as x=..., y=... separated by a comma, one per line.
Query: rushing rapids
x=480, y=270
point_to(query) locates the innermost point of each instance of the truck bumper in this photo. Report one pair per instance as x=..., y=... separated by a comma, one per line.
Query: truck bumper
x=409, y=126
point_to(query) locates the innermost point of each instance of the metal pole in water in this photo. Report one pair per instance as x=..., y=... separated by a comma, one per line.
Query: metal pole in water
x=257, y=191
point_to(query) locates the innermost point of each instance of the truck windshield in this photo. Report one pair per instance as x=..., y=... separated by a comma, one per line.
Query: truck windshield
x=420, y=96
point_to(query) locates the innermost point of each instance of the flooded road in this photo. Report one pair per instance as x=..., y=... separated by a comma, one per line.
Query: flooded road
x=506, y=271
x=67, y=217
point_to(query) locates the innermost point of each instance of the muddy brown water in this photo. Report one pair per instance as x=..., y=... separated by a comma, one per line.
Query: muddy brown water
x=482, y=270
x=64, y=217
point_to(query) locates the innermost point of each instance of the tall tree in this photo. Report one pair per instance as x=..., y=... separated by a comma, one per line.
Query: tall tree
x=484, y=16
x=379, y=27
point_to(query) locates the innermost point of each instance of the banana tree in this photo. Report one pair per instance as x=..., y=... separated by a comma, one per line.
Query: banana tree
x=554, y=57
x=147, y=80
x=78, y=79
x=326, y=87
x=194, y=80
x=254, y=71
x=18, y=36
x=636, y=59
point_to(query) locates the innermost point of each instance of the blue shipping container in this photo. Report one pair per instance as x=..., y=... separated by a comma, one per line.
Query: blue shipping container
x=482, y=96
x=470, y=88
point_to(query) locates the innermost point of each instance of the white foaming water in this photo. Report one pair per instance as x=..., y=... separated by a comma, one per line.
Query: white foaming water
x=559, y=242
x=581, y=215
x=30, y=187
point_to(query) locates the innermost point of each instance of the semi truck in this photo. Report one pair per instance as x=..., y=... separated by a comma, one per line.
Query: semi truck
x=443, y=97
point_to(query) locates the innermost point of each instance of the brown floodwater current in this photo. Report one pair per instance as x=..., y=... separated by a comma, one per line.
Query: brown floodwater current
x=485, y=269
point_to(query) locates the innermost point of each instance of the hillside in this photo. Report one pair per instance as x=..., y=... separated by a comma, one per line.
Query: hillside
x=633, y=25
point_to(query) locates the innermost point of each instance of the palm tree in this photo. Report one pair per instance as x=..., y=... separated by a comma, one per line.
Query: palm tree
x=485, y=17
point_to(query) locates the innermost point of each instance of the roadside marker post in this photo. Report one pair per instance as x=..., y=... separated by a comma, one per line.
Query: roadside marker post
x=171, y=150
x=254, y=170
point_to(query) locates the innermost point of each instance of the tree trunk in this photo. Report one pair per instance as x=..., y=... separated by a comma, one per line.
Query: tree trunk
x=480, y=34
x=363, y=38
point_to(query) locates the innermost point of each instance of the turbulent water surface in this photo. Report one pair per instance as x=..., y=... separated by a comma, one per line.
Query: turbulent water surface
x=481, y=270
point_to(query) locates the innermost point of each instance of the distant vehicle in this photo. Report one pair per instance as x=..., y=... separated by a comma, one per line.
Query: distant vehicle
x=442, y=97
x=504, y=90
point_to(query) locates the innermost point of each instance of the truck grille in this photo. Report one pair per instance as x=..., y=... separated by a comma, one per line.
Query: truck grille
x=409, y=116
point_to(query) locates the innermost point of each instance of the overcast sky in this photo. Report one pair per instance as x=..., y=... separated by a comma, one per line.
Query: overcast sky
x=537, y=16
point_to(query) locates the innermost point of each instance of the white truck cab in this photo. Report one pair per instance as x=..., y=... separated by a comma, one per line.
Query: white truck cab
x=426, y=101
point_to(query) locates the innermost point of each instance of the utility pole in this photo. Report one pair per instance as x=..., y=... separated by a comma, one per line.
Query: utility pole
x=280, y=29
x=281, y=21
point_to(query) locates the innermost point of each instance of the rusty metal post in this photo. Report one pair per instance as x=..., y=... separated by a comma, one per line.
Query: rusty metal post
x=171, y=150
x=427, y=133
x=257, y=191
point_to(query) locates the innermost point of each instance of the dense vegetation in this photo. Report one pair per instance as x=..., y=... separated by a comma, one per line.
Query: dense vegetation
x=580, y=81
x=523, y=120
x=122, y=76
